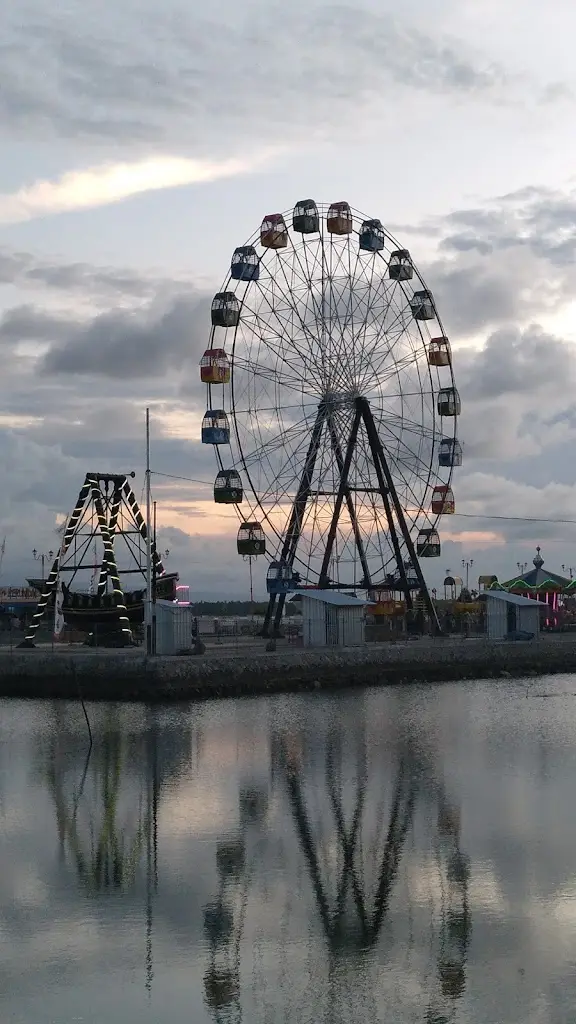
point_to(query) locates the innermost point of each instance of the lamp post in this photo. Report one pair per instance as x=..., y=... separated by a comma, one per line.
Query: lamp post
x=522, y=566
x=569, y=570
x=39, y=556
x=467, y=564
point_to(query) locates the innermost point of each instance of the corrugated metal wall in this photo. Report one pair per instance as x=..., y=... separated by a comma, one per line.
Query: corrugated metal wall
x=529, y=619
x=173, y=628
x=313, y=623
x=327, y=625
x=496, y=615
x=351, y=626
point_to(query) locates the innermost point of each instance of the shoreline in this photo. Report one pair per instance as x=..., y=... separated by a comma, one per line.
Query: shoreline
x=247, y=670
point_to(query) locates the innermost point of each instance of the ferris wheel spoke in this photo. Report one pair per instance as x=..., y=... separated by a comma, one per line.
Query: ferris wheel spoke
x=279, y=342
x=395, y=328
x=295, y=311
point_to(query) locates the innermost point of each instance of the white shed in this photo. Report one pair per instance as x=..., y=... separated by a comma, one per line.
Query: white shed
x=510, y=613
x=331, y=619
x=173, y=627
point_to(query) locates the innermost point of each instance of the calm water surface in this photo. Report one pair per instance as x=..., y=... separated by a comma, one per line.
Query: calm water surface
x=388, y=856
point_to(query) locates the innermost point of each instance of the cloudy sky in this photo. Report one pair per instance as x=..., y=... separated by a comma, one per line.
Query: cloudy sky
x=143, y=141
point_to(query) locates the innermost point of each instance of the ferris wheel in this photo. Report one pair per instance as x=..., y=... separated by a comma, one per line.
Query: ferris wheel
x=332, y=405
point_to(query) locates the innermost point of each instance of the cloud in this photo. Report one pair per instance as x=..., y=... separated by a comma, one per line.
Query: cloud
x=205, y=78
x=111, y=183
x=133, y=344
x=510, y=261
x=84, y=280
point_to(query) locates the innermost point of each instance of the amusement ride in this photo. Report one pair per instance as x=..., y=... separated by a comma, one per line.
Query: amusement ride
x=332, y=407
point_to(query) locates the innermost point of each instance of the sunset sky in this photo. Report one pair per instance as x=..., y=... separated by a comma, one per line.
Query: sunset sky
x=143, y=142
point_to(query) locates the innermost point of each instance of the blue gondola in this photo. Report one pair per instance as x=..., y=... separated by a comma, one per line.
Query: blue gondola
x=245, y=265
x=215, y=427
x=371, y=237
x=450, y=452
x=280, y=578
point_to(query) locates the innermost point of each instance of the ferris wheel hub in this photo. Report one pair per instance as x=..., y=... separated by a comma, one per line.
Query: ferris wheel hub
x=339, y=399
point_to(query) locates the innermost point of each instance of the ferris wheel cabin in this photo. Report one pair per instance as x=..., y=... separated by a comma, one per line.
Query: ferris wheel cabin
x=448, y=402
x=279, y=578
x=449, y=452
x=371, y=237
x=251, y=541
x=273, y=232
x=305, y=218
x=443, y=503
x=339, y=220
x=215, y=427
x=439, y=353
x=428, y=544
x=422, y=306
x=400, y=266
x=225, y=310
x=215, y=367
x=245, y=265
x=228, y=488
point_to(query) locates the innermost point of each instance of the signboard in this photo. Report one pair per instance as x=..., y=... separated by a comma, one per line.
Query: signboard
x=18, y=594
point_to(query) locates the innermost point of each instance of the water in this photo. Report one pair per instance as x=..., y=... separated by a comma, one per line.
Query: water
x=396, y=856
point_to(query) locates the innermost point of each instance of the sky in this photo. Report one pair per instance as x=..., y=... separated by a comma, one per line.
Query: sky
x=143, y=142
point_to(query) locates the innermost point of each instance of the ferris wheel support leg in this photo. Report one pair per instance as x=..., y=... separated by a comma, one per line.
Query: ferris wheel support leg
x=350, y=503
x=342, y=490
x=401, y=818
x=373, y=442
x=380, y=459
x=296, y=518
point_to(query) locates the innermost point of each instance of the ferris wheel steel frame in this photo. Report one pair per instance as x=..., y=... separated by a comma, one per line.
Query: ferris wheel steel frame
x=342, y=448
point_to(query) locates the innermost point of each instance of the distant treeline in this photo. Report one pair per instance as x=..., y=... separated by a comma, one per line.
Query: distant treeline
x=236, y=609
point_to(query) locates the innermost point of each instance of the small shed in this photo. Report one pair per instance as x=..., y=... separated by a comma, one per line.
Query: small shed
x=331, y=619
x=173, y=627
x=507, y=614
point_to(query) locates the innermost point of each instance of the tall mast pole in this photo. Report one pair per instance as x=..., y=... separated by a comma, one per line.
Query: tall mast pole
x=148, y=618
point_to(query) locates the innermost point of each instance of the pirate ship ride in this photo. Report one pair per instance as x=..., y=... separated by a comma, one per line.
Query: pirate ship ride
x=103, y=546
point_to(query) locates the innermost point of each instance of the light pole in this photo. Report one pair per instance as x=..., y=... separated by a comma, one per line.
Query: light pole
x=568, y=569
x=467, y=564
x=39, y=556
x=522, y=566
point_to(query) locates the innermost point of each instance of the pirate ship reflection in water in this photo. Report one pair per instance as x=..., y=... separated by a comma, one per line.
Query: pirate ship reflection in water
x=107, y=797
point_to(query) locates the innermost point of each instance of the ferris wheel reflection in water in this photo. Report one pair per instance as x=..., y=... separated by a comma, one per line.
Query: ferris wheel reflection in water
x=350, y=842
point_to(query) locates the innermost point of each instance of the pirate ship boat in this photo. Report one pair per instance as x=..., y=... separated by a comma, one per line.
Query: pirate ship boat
x=106, y=530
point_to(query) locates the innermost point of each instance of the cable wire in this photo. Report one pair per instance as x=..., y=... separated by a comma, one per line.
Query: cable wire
x=461, y=515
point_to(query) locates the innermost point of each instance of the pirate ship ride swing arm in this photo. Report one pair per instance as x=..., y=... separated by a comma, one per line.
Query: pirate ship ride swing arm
x=107, y=510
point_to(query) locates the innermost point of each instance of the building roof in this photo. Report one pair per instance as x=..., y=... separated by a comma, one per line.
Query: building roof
x=501, y=595
x=536, y=577
x=332, y=597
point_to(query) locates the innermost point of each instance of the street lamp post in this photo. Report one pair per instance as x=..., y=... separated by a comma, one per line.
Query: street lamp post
x=39, y=556
x=522, y=566
x=568, y=569
x=467, y=564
